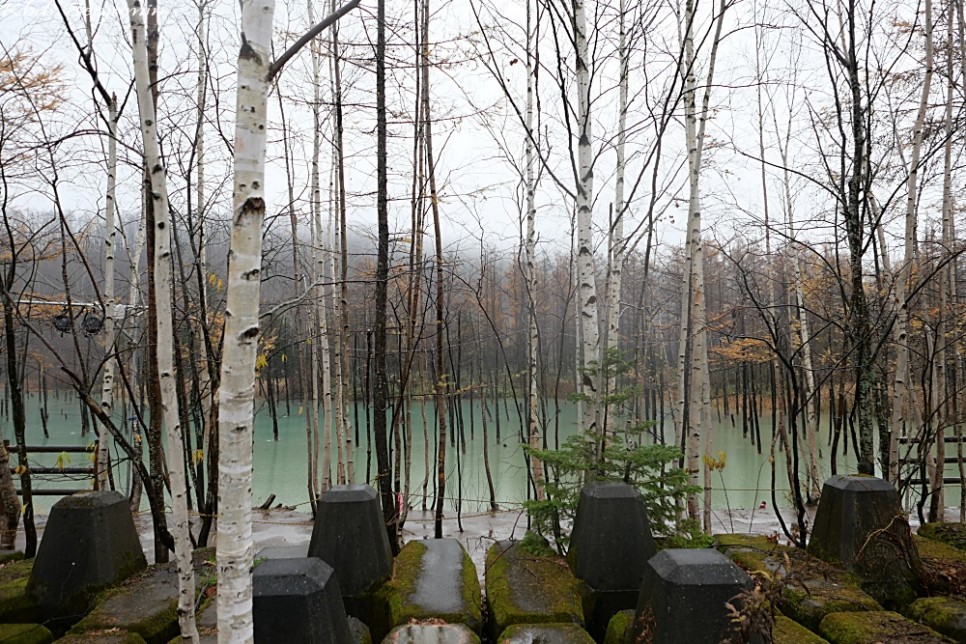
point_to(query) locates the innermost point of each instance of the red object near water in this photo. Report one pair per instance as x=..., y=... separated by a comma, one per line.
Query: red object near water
x=762, y=506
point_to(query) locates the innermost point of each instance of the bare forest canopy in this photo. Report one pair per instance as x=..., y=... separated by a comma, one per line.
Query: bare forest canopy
x=651, y=208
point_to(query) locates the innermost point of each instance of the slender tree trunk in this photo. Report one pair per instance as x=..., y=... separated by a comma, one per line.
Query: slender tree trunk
x=442, y=382
x=615, y=266
x=901, y=400
x=107, y=334
x=533, y=337
x=380, y=393
x=586, y=274
x=9, y=503
x=235, y=546
x=946, y=280
x=167, y=373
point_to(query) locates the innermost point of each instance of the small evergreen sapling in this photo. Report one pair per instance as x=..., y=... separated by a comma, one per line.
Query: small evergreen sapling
x=623, y=449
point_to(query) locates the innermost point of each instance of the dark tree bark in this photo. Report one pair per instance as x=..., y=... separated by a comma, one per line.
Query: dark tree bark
x=380, y=390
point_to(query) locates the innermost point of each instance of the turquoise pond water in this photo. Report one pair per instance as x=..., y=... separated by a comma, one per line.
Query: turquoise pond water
x=280, y=466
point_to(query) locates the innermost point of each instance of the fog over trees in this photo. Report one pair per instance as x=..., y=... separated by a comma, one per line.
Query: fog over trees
x=682, y=214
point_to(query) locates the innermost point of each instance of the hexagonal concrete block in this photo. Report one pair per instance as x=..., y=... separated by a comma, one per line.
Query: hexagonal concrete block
x=89, y=542
x=683, y=596
x=350, y=536
x=609, y=548
x=860, y=525
x=298, y=600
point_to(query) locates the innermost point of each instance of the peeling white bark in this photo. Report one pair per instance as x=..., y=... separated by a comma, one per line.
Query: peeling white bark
x=235, y=545
x=165, y=330
x=107, y=335
x=586, y=275
x=533, y=337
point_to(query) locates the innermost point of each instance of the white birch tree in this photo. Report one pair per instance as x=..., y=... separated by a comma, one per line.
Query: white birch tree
x=165, y=330
x=901, y=402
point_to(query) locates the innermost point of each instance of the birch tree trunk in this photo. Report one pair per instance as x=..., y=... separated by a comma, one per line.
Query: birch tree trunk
x=236, y=394
x=108, y=335
x=321, y=312
x=337, y=267
x=586, y=276
x=336, y=337
x=133, y=297
x=694, y=358
x=947, y=282
x=615, y=267
x=804, y=331
x=533, y=337
x=165, y=331
x=901, y=401
x=315, y=206
x=201, y=330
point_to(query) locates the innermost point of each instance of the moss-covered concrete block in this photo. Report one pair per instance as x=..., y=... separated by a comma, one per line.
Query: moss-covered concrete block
x=539, y=633
x=431, y=634
x=25, y=634
x=436, y=579
x=809, y=601
x=754, y=553
x=788, y=631
x=944, y=615
x=523, y=588
x=876, y=627
x=953, y=534
x=860, y=525
x=114, y=636
x=939, y=550
x=146, y=604
x=618, y=627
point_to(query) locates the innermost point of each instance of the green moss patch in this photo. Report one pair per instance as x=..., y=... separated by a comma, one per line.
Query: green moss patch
x=617, y=627
x=146, y=604
x=522, y=588
x=405, y=604
x=931, y=549
x=953, y=534
x=10, y=555
x=788, y=631
x=945, y=615
x=755, y=553
x=25, y=634
x=876, y=627
x=556, y=633
x=15, y=569
x=16, y=606
x=808, y=602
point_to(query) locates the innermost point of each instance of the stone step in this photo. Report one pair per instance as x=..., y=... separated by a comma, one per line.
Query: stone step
x=524, y=588
x=147, y=603
x=436, y=579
